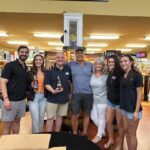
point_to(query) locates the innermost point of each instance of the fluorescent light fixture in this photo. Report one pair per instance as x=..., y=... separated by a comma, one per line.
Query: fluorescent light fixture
x=47, y=35
x=90, y=52
x=124, y=49
x=59, y=48
x=31, y=47
x=97, y=44
x=55, y=44
x=136, y=45
x=93, y=49
x=18, y=42
x=147, y=37
x=3, y=34
x=104, y=37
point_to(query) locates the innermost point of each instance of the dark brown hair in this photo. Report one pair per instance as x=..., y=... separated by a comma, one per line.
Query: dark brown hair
x=117, y=68
x=131, y=60
x=133, y=69
x=22, y=47
x=34, y=68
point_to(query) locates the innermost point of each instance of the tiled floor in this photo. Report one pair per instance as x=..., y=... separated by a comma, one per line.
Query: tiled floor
x=143, y=133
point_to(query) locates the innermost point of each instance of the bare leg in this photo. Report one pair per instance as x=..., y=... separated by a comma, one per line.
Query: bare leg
x=125, y=128
x=110, y=113
x=74, y=122
x=49, y=124
x=58, y=123
x=7, y=127
x=120, y=130
x=16, y=126
x=132, y=142
x=86, y=120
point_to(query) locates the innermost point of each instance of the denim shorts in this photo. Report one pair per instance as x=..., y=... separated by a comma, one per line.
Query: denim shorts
x=111, y=105
x=129, y=115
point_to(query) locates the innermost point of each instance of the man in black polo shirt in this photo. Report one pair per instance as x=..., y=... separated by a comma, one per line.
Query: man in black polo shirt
x=57, y=96
x=13, y=86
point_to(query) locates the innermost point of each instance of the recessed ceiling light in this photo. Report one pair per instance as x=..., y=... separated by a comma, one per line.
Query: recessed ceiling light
x=55, y=44
x=105, y=37
x=97, y=44
x=18, y=42
x=3, y=34
x=136, y=45
x=47, y=35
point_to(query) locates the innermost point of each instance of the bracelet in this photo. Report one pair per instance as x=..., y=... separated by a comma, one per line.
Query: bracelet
x=5, y=97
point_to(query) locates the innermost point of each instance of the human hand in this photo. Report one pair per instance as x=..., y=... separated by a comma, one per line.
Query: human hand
x=58, y=90
x=135, y=116
x=7, y=104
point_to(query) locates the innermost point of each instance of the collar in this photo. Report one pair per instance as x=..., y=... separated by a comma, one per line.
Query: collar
x=58, y=68
x=84, y=62
x=18, y=62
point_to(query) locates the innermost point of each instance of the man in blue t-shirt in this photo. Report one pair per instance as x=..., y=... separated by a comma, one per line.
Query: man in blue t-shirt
x=82, y=98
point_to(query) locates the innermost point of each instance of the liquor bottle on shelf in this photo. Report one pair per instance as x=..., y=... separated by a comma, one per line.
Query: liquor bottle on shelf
x=59, y=85
x=35, y=83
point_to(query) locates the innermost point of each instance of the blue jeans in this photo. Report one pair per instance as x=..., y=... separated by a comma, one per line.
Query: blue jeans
x=37, y=110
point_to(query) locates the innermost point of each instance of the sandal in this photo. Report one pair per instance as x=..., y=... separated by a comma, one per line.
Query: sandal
x=96, y=139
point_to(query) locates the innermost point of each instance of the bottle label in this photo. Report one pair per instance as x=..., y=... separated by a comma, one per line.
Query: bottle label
x=59, y=83
x=35, y=83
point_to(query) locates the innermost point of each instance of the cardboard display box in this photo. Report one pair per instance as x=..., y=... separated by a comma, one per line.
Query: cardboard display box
x=58, y=148
x=25, y=142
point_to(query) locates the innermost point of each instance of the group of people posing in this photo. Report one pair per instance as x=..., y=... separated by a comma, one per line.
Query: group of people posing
x=110, y=88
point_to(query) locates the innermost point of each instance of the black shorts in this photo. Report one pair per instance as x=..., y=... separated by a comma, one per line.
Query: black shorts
x=81, y=102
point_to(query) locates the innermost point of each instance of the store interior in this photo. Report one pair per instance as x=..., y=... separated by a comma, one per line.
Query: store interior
x=41, y=28
x=39, y=24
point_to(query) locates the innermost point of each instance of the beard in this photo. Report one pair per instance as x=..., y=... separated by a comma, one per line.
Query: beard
x=23, y=57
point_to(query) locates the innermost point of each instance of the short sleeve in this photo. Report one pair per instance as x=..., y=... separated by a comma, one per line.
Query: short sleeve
x=47, y=78
x=70, y=77
x=7, y=71
x=68, y=64
x=92, y=67
x=138, y=80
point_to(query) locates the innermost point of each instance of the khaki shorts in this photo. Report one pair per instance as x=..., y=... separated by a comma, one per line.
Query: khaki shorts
x=53, y=110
